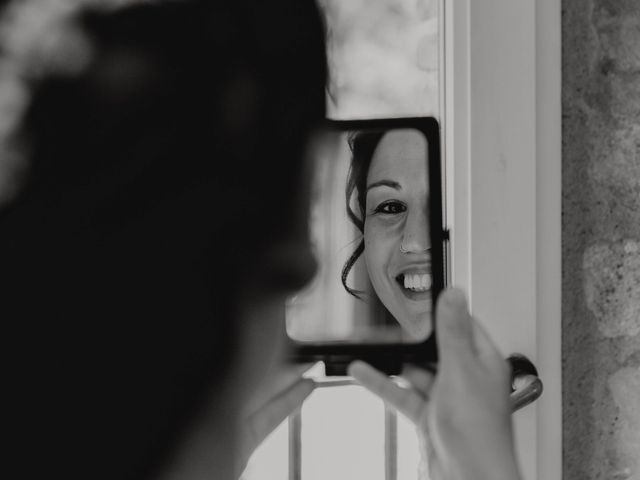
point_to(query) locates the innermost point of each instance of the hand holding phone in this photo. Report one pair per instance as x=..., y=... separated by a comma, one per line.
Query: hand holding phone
x=464, y=411
x=378, y=227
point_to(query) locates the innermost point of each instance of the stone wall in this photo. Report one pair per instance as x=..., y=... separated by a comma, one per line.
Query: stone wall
x=601, y=239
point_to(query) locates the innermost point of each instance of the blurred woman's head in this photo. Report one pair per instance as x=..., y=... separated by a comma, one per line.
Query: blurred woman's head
x=156, y=208
x=389, y=177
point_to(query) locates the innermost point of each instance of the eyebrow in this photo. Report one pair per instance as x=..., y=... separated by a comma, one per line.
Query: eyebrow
x=385, y=183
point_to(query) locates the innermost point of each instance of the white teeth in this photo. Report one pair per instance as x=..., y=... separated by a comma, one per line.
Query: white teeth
x=419, y=283
x=408, y=281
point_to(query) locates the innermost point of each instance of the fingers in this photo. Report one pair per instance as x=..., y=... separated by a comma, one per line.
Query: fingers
x=484, y=345
x=262, y=422
x=286, y=376
x=419, y=378
x=454, y=329
x=460, y=337
x=409, y=402
x=278, y=381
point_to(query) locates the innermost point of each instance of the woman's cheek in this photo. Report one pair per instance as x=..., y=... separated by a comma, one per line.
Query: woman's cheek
x=372, y=252
x=374, y=240
x=385, y=233
x=381, y=240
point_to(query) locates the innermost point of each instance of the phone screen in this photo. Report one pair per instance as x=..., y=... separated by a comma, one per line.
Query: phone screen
x=374, y=208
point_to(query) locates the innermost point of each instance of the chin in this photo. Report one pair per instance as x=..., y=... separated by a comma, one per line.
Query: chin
x=418, y=328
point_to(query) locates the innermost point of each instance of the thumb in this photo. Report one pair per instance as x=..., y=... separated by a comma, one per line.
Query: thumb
x=454, y=330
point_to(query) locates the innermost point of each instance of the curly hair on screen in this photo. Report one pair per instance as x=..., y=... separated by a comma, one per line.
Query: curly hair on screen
x=363, y=145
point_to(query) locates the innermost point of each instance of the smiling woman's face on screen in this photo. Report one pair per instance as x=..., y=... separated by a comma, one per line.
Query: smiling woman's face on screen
x=396, y=229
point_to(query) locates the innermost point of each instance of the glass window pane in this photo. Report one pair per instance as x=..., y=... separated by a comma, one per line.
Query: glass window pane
x=343, y=435
x=384, y=58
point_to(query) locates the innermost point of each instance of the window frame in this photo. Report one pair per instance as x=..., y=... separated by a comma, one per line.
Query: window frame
x=502, y=130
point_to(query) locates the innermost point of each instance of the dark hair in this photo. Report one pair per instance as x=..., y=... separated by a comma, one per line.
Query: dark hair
x=149, y=173
x=362, y=144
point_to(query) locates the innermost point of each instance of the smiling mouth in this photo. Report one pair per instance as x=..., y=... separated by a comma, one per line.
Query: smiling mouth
x=415, y=286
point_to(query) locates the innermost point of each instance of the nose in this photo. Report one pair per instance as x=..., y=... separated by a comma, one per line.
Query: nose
x=415, y=236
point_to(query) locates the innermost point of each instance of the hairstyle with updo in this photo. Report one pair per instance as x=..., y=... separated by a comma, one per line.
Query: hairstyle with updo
x=151, y=141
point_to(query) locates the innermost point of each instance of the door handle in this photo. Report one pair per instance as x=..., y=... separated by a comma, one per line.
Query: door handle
x=526, y=386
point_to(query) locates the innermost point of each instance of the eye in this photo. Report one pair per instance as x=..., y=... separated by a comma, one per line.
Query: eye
x=392, y=207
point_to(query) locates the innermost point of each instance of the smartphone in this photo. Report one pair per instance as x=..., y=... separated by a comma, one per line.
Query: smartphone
x=377, y=228
x=354, y=307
